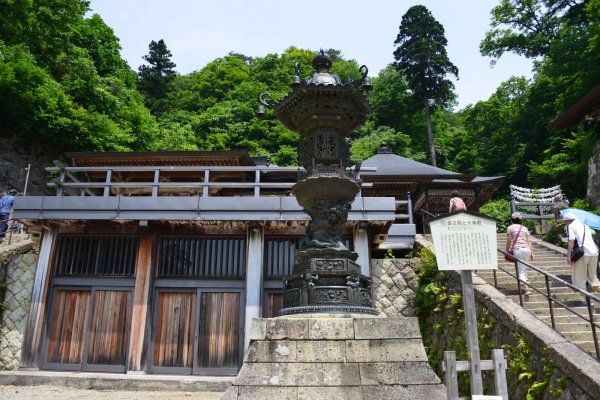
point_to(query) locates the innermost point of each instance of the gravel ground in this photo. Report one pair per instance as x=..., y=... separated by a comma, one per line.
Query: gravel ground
x=9, y=392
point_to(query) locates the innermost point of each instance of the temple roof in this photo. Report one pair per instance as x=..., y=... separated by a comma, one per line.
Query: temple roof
x=168, y=158
x=388, y=163
x=587, y=107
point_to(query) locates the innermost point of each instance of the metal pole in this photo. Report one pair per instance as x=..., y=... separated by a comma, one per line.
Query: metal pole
x=409, y=206
x=472, y=336
x=26, y=179
x=550, y=305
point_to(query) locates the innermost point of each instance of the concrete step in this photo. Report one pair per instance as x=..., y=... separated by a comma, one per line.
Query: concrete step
x=112, y=381
x=572, y=326
x=588, y=346
x=562, y=313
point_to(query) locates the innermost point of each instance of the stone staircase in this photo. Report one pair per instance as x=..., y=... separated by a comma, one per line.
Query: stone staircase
x=553, y=260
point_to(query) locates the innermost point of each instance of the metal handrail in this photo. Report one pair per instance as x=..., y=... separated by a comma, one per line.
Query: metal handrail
x=548, y=277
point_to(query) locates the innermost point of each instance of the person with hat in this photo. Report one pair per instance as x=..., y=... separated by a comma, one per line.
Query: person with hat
x=6, y=204
x=584, y=269
x=518, y=240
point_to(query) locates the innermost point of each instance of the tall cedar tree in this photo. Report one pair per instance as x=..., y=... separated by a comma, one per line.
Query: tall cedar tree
x=154, y=79
x=421, y=56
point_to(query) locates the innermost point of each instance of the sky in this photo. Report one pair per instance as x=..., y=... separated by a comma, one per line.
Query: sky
x=198, y=31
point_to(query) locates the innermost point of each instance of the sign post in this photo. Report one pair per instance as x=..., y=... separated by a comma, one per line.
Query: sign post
x=465, y=241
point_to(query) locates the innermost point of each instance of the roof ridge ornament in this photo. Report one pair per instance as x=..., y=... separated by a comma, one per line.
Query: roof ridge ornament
x=384, y=149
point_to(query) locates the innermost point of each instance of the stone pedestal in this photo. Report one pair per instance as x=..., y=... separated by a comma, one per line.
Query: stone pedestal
x=336, y=358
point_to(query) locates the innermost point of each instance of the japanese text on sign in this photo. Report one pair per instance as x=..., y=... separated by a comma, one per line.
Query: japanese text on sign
x=465, y=241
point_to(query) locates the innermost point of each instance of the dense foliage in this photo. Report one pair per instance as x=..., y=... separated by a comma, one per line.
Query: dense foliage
x=421, y=56
x=64, y=83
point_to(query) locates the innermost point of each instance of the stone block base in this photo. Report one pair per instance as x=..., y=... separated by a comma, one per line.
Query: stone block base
x=335, y=358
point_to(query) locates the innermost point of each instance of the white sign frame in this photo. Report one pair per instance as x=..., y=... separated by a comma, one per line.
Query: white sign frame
x=465, y=241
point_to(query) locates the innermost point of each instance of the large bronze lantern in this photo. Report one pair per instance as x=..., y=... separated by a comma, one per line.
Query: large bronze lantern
x=323, y=110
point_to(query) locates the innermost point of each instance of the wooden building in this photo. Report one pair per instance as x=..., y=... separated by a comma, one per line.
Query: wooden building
x=158, y=262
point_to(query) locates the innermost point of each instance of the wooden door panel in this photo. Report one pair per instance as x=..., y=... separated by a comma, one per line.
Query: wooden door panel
x=109, y=331
x=174, y=337
x=274, y=304
x=69, y=316
x=218, y=339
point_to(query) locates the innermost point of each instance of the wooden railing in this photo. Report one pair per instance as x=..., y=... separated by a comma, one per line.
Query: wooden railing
x=107, y=182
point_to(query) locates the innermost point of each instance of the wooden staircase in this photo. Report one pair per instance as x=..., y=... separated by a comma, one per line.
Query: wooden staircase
x=549, y=259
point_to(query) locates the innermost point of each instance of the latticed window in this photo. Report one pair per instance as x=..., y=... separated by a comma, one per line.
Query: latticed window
x=95, y=255
x=280, y=256
x=193, y=256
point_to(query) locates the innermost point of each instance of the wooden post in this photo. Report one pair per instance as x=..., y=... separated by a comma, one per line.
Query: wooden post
x=257, y=183
x=499, y=364
x=254, y=277
x=106, y=192
x=361, y=247
x=141, y=296
x=451, y=376
x=30, y=352
x=472, y=337
x=155, y=183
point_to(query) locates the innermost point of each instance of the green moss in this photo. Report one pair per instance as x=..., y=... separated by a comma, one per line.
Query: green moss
x=434, y=300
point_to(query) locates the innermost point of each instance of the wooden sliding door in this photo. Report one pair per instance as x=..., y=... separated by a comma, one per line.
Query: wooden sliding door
x=174, y=337
x=109, y=331
x=198, y=307
x=70, y=314
x=88, y=329
x=197, y=331
x=219, y=339
x=89, y=316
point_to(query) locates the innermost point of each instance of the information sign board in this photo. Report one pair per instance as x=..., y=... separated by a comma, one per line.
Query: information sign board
x=464, y=241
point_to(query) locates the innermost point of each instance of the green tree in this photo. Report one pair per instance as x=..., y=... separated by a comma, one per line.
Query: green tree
x=421, y=56
x=154, y=79
x=45, y=26
x=371, y=136
x=565, y=36
x=528, y=27
x=492, y=127
x=101, y=44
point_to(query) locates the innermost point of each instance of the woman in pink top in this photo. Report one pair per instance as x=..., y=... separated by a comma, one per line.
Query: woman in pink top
x=519, y=235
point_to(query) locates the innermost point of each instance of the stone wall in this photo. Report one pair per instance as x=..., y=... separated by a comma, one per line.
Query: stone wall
x=17, y=272
x=542, y=364
x=394, y=286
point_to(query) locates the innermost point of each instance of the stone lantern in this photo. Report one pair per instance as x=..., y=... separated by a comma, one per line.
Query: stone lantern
x=323, y=110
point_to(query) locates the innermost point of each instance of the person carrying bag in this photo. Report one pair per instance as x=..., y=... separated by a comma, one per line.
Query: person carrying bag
x=518, y=243
x=583, y=258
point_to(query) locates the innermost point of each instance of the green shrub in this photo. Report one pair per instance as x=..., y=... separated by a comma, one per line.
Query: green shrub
x=499, y=209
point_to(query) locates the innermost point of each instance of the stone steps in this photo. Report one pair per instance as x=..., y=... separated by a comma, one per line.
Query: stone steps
x=551, y=260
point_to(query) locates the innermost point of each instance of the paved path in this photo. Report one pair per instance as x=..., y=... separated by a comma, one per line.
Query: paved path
x=9, y=392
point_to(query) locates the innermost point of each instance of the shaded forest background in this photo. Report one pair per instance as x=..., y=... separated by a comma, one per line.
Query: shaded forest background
x=65, y=87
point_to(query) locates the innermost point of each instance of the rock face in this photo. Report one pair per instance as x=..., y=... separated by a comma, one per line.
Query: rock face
x=13, y=163
x=593, y=184
x=336, y=358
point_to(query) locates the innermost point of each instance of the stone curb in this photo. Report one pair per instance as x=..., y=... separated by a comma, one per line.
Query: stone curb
x=98, y=381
